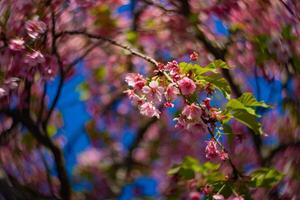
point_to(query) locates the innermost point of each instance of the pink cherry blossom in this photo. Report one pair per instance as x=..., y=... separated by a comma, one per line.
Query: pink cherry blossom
x=17, y=44
x=211, y=150
x=207, y=189
x=136, y=81
x=161, y=67
x=194, y=196
x=135, y=99
x=223, y=155
x=192, y=112
x=187, y=86
x=194, y=56
x=238, y=198
x=206, y=102
x=173, y=69
x=218, y=197
x=12, y=82
x=90, y=157
x=2, y=92
x=171, y=92
x=149, y=110
x=35, y=58
x=216, y=114
x=35, y=28
x=153, y=92
x=168, y=105
x=181, y=122
x=83, y=3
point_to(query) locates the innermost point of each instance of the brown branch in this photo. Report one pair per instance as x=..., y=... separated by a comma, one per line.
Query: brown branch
x=11, y=189
x=39, y=134
x=47, y=171
x=79, y=58
x=279, y=149
x=61, y=71
x=113, y=42
x=5, y=135
x=42, y=103
x=158, y=5
x=236, y=172
x=289, y=9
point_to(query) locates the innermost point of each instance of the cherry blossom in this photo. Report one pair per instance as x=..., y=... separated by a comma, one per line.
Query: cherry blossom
x=35, y=28
x=211, y=150
x=194, y=196
x=136, y=81
x=35, y=58
x=238, y=198
x=148, y=109
x=153, y=92
x=218, y=197
x=187, y=86
x=90, y=157
x=171, y=92
x=17, y=44
x=194, y=56
x=192, y=112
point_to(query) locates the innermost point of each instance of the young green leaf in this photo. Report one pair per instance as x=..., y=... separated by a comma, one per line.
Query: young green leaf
x=265, y=177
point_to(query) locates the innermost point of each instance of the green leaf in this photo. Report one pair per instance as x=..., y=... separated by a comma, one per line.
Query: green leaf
x=51, y=130
x=28, y=140
x=219, y=82
x=199, y=70
x=296, y=63
x=187, y=173
x=195, y=69
x=132, y=37
x=249, y=120
x=83, y=90
x=265, y=177
x=287, y=33
x=186, y=169
x=100, y=73
x=174, y=170
x=218, y=64
x=262, y=43
x=190, y=166
x=209, y=166
x=227, y=129
x=243, y=110
x=248, y=99
x=235, y=104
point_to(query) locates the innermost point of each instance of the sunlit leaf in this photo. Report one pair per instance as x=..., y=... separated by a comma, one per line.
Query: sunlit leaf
x=265, y=177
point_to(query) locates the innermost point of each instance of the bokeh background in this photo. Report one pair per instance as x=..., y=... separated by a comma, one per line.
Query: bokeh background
x=110, y=150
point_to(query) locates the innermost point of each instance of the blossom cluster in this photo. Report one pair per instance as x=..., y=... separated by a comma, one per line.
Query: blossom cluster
x=168, y=84
x=26, y=57
x=197, y=196
x=212, y=151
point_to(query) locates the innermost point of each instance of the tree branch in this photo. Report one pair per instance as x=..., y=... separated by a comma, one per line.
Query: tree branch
x=113, y=42
x=42, y=138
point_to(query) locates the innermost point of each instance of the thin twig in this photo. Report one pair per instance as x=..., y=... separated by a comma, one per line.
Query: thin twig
x=158, y=5
x=290, y=10
x=47, y=169
x=42, y=103
x=61, y=71
x=113, y=42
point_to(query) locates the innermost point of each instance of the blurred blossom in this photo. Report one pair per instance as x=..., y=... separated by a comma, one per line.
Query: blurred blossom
x=89, y=157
